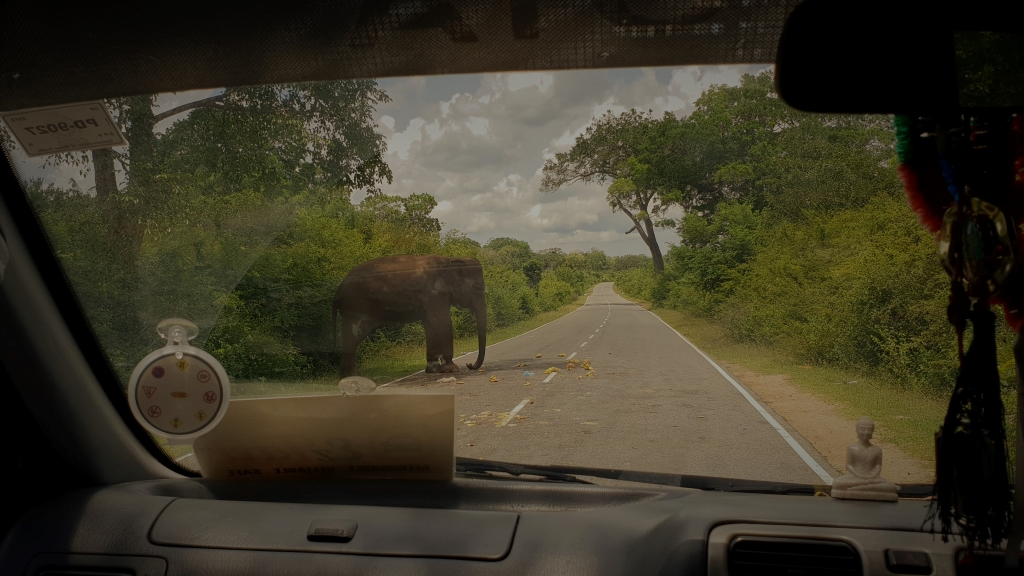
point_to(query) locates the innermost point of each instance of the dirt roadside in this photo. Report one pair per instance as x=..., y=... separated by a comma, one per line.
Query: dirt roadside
x=821, y=424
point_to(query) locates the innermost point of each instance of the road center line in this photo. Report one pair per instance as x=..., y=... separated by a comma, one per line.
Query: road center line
x=589, y=337
x=550, y=376
x=814, y=466
x=570, y=356
x=516, y=410
x=582, y=345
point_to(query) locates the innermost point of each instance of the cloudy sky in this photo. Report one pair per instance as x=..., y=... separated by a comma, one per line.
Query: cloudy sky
x=478, y=142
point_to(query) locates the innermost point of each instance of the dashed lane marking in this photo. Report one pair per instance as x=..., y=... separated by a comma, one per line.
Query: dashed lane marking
x=582, y=345
x=570, y=356
x=515, y=411
x=550, y=376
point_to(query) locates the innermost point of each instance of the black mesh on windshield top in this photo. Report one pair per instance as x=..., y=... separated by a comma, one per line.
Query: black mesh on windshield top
x=131, y=48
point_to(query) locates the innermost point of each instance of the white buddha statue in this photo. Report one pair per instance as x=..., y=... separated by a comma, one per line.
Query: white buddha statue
x=863, y=463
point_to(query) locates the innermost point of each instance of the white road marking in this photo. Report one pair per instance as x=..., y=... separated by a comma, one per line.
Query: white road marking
x=516, y=410
x=814, y=466
x=550, y=376
x=570, y=356
x=582, y=345
x=589, y=337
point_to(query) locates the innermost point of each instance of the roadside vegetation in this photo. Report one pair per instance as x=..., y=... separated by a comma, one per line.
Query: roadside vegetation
x=235, y=211
x=798, y=250
x=798, y=237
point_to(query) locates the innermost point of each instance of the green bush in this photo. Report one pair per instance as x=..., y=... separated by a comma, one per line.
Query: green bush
x=251, y=345
x=700, y=272
x=553, y=293
x=860, y=287
x=509, y=297
x=637, y=282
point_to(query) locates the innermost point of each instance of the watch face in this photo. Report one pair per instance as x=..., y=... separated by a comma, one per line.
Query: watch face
x=179, y=396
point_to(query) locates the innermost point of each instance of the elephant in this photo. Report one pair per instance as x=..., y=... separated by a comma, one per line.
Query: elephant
x=397, y=290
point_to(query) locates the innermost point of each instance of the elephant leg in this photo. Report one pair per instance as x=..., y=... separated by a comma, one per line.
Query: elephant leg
x=437, y=324
x=353, y=332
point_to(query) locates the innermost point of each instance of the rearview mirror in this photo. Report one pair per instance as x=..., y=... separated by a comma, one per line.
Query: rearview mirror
x=899, y=57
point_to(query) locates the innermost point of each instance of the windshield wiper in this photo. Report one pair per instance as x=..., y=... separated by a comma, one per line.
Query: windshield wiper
x=471, y=466
x=710, y=483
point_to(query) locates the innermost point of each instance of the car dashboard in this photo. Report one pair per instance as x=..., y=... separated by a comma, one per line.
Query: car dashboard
x=467, y=526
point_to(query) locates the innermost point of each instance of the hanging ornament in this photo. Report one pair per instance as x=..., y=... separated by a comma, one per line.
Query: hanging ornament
x=958, y=179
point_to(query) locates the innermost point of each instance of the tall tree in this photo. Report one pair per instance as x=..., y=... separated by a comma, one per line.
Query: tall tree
x=743, y=143
x=625, y=151
x=508, y=252
x=410, y=212
x=277, y=140
x=178, y=216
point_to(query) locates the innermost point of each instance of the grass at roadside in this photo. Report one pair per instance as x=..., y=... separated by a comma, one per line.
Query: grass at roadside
x=906, y=418
x=402, y=360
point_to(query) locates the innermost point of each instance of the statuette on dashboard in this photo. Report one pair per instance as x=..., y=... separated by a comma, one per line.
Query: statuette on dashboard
x=863, y=465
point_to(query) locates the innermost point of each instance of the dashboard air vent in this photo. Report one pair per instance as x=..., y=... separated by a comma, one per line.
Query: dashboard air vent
x=763, y=556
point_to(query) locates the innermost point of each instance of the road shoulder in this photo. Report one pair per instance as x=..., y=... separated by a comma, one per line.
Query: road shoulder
x=824, y=427
x=826, y=423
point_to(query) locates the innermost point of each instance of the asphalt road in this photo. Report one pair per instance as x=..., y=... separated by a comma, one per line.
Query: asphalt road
x=654, y=403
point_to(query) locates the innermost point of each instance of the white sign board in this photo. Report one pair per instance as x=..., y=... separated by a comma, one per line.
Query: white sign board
x=65, y=128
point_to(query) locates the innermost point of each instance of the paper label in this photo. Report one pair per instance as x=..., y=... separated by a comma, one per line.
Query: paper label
x=375, y=436
x=66, y=128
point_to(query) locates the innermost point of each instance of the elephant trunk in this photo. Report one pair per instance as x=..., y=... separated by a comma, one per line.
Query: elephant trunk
x=480, y=311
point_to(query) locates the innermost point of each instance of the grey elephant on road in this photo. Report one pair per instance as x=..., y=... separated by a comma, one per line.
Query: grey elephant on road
x=398, y=290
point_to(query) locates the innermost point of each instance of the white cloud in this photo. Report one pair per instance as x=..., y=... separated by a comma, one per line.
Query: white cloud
x=401, y=141
x=478, y=125
x=480, y=146
x=522, y=80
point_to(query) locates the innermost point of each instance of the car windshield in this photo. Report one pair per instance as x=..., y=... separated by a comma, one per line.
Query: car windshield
x=677, y=272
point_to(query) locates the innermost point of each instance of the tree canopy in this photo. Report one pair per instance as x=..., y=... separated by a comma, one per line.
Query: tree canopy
x=623, y=150
x=740, y=143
